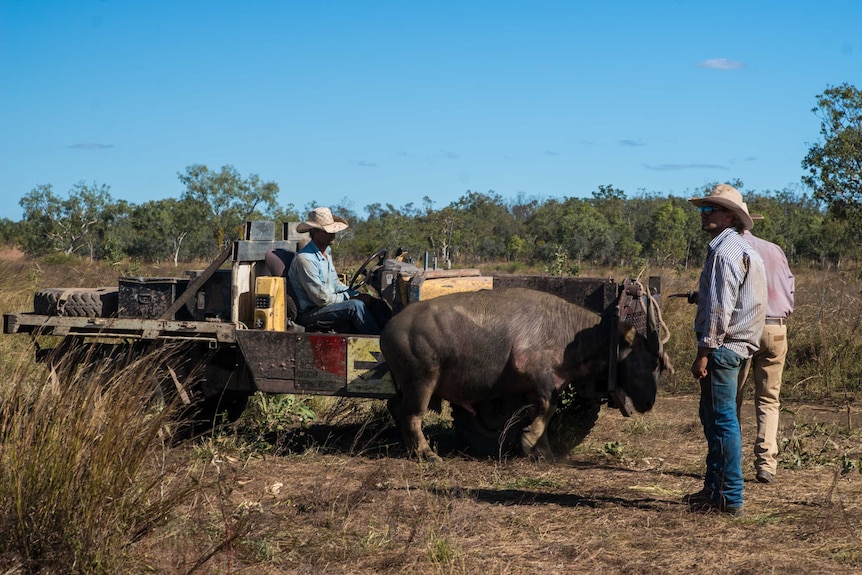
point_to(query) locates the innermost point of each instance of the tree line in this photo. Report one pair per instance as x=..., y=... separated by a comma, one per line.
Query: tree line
x=815, y=222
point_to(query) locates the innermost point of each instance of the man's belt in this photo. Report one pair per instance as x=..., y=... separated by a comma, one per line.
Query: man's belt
x=776, y=321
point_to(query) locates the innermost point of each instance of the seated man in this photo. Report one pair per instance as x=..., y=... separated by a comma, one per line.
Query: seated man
x=320, y=296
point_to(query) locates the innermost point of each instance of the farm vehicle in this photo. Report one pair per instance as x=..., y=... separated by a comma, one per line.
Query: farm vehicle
x=234, y=324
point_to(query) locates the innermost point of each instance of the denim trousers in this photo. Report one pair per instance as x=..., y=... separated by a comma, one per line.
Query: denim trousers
x=721, y=427
x=352, y=311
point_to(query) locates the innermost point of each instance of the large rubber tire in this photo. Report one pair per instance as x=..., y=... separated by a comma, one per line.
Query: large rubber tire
x=77, y=302
x=196, y=412
x=495, y=430
x=483, y=434
x=571, y=423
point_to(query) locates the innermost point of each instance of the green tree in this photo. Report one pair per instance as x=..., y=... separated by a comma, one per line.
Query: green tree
x=484, y=225
x=834, y=164
x=231, y=199
x=670, y=236
x=613, y=205
x=72, y=225
x=576, y=226
x=167, y=229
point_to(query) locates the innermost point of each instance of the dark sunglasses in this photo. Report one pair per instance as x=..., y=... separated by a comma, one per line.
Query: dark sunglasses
x=709, y=210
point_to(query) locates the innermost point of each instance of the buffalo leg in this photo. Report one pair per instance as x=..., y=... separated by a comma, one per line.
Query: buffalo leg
x=408, y=414
x=534, y=439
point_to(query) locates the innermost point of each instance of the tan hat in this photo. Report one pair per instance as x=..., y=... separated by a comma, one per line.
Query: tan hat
x=322, y=219
x=727, y=197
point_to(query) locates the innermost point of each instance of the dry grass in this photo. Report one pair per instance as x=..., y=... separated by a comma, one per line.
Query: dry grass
x=85, y=466
x=603, y=509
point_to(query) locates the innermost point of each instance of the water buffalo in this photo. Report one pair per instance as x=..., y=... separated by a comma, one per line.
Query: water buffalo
x=474, y=346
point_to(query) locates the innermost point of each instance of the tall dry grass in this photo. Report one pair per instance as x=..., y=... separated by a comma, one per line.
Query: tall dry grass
x=85, y=466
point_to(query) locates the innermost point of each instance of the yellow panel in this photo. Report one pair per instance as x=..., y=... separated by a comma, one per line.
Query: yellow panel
x=270, y=318
x=366, y=370
x=432, y=288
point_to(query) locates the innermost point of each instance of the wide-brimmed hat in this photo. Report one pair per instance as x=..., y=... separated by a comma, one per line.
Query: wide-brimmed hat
x=728, y=197
x=322, y=219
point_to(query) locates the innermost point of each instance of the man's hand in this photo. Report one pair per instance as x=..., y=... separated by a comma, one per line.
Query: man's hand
x=365, y=298
x=698, y=368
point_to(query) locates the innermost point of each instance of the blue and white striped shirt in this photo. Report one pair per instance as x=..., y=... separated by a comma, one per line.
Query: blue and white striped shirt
x=731, y=305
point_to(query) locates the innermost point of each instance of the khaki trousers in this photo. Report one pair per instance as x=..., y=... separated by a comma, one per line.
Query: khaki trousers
x=768, y=366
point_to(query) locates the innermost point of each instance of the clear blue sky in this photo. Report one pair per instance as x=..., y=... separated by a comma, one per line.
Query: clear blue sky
x=365, y=102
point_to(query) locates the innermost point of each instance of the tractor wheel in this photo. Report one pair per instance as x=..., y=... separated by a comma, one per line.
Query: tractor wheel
x=182, y=381
x=496, y=428
x=77, y=302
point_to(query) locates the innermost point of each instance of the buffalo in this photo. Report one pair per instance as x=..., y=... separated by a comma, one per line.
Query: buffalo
x=470, y=347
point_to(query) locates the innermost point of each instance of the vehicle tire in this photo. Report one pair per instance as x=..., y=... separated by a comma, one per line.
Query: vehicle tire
x=182, y=386
x=495, y=430
x=572, y=422
x=77, y=302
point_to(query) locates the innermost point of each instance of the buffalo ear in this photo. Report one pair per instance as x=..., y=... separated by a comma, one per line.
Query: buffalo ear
x=628, y=332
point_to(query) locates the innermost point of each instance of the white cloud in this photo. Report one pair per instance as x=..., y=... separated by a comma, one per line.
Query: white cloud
x=676, y=167
x=721, y=64
x=91, y=146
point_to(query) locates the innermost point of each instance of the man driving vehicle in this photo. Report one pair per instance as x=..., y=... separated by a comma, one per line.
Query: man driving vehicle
x=321, y=297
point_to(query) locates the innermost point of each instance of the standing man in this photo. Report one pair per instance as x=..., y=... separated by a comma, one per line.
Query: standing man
x=731, y=310
x=320, y=295
x=768, y=361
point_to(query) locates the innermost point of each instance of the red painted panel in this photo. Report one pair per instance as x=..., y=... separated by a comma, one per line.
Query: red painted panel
x=330, y=353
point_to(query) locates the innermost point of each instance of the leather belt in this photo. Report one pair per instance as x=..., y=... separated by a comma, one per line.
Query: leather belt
x=776, y=321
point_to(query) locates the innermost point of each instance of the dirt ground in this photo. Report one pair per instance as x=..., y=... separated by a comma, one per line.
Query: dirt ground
x=613, y=506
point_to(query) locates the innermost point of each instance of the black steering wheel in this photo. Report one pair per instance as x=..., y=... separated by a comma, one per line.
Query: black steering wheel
x=355, y=282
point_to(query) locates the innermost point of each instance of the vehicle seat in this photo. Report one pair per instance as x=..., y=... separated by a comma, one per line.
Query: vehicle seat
x=278, y=263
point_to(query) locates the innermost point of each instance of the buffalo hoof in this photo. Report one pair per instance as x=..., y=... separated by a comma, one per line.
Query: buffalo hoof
x=430, y=457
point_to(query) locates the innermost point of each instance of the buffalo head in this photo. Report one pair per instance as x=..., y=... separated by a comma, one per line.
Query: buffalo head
x=640, y=360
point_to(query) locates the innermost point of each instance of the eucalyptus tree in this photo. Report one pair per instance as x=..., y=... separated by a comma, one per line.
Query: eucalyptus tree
x=231, y=199
x=614, y=206
x=168, y=230
x=485, y=225
x=834, y=164
x=76, y=224
x=386, y=226
x=575, y=226
x=670, y=241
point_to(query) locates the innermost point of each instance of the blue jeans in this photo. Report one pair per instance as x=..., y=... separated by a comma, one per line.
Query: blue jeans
x=353, y=313
x=721, y=427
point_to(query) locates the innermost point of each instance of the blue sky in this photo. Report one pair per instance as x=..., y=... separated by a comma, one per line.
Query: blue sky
x=362, y=102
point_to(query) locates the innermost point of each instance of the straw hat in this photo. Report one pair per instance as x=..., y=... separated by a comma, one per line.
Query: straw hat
x=322, y=219
x=728, y=197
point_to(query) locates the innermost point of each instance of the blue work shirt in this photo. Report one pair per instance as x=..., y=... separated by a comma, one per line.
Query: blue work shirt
x=314, y=281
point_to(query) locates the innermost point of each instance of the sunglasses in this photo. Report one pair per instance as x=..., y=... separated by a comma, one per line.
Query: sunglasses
x=709, y=210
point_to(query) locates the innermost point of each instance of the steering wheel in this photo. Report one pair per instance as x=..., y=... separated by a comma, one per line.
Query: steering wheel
x=355, y=282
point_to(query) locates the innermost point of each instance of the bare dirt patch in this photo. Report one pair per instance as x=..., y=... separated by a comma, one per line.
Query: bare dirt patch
x=11, y=254
x=613, y=506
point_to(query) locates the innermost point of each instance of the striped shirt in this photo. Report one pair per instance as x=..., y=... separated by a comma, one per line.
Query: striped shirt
x=731, y=305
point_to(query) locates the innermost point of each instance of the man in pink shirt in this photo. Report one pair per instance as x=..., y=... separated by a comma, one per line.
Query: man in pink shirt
x=768, y=361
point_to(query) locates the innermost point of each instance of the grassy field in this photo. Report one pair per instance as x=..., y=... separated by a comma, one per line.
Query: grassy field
x=91, y=481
